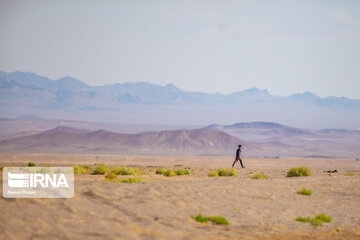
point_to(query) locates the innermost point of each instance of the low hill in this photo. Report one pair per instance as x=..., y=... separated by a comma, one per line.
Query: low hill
x=72, y=140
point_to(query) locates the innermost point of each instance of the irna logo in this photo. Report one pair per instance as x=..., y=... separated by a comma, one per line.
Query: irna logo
x=18, y=180
x=38, y=182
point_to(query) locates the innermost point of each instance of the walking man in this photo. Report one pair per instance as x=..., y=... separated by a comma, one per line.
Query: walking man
x=238, y=158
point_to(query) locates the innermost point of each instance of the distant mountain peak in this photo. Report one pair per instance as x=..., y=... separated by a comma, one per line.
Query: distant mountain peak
x=70, y=80
x=252, y=92
x=304, y=96
x=172, y=86
x=256, y=90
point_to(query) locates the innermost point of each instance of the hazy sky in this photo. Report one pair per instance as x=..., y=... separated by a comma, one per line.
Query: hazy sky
x=210, y=46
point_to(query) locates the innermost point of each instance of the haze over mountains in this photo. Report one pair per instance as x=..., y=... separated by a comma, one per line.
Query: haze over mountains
x=24, y=93
x=30, y=134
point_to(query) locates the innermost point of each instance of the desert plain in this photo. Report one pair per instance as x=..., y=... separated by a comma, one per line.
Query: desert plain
x=161, y=207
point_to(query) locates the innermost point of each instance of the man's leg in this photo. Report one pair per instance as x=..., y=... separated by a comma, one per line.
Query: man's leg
x=234, y=162
x=240, y=160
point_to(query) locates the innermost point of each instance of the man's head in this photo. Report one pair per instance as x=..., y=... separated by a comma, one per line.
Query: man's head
x=240, y=146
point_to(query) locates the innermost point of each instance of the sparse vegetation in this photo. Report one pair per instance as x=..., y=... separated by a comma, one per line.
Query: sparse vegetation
x=132, y=180
x=324, y=218
x=82, y=170
x=219, y=220
x=160, y=171
x=214, y=219
x=182, y=172
x=302, y=219
x=110, y=176
x=200, y=218
x=223, y=172
x=304, y=191
x=259, y=176
x=315, y=221
x=30, y=164
x=349, y=174
x=213, y=173
x=127, y=171
x=227, y=172
x=150, y=169
x=101, y=169
x=298, y=172
x=170, y=173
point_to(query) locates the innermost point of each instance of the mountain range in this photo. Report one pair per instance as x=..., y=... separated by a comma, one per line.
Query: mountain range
x=23, y=93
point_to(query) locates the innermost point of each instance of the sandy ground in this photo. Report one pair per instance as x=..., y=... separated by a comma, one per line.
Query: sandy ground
x=161, y=207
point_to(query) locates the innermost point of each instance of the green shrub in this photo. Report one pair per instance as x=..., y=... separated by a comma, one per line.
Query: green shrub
x=82, y=170
x=214, y=219
x=298, y=172
x=315, y=221
x=259, y=176
x=127, y=171
x=304, y=191
x=231, y=172
x=349, y=174
x=179, y=172
x=324, y=218
x=132, y=180
x=87, y=168
x=101, y=169
x=223, y=172
x=213, y=173
x=160, y=171
x=219, y=220
x=302, y=219
x=30, y=164
x=170, y=173
x=182, y=172
x=200, y=218
x=110, y=176
x=150, y=169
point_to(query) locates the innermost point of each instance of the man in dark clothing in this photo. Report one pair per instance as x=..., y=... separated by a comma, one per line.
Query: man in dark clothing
x=238, y=158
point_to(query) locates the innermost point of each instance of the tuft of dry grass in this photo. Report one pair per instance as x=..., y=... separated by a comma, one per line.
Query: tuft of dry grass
x=132, y=180
x=101, y=169
x=160, y=171
x=315, y=221
x=215, y=219
x=349, y=174
x=304, y=191
x=30, y=164
x=127, y=171
x=223, y=172
x=110, y=176
x=298, y=172
x=170, y=173
x=259, y=176
x=82, y=170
